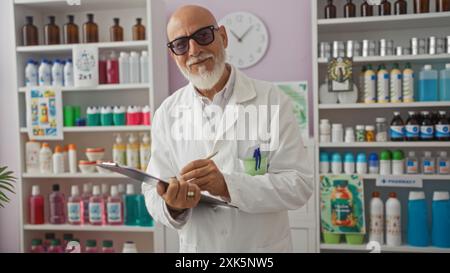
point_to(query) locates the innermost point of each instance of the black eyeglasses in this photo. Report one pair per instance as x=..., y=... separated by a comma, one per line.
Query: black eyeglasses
x=203, y=37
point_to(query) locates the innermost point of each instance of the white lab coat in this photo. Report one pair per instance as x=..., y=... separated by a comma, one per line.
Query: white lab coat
x=261, y=223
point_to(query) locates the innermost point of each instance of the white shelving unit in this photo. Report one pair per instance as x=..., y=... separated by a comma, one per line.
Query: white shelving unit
x=400, y=29
x=153, y=13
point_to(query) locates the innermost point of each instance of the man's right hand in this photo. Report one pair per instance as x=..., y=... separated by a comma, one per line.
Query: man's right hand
x=176, y=195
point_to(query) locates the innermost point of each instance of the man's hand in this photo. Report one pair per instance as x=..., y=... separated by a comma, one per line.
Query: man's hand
x=205, y=174
x=176, y=195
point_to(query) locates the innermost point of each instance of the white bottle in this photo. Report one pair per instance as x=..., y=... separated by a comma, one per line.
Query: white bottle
x=66, y=158
x=443, y=163
x=57, y=73
x=119, y=151
x=428, y=163
x=144, y=67
x=129, y=247
x=45, y=159
x=337, y=133
x=325, y=96
x=32, y=149
x=396, y=85
x=45, y=74
x=31, y=74
x=145, y=152
x=412, y=163
x=349, y=135
x=393, y=221
x=325, y=131
x=133, y=152
x=370, y=83
x=58, y=160
x=124, y=68
x=382, y=85
x=376, y=231
x=68, y=73
x=72, y=158
x=385, y=167
x=408, y=84
x=134, y=67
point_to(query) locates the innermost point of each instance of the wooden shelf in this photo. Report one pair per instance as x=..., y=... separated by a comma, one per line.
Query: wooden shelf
x=68, y=48
x=67, y=227
x=103, y=87
x=94, y=129
x=390, y=59
x=384, y=248
x=366, y=106
x=431, y=144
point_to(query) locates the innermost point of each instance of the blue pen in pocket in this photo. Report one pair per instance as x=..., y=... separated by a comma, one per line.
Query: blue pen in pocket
x=257, y=157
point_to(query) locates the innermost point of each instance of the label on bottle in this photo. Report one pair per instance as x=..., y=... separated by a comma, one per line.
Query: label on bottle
x=393, y=225
x=428, y=166
x=114, y=212
x=95, y=212
x=119, y=156
x=412, y=131
x=412, y=167
x=397, y=131
x=396, y=88
x=408, y=87
x=444, y=166
x=427, y=132
x=74, y=212
x=383, y=88
x=370, y=89
x=376, y=225
x=381, y=137
x=442, y=131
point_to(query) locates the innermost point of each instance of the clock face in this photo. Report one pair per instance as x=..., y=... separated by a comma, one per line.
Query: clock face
x=248, y=39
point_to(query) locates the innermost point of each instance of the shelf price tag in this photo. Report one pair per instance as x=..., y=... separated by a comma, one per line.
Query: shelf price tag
x=399, y=181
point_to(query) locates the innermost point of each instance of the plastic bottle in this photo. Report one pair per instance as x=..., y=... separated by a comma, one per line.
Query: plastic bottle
x=395, y=93
x=36, y=246
x=131, y=218
x=85, y=197
x=48, y=239
x=374, y=164
x=114, y=208
x=75, y=207
x=133, y=152
x=442, y=127
x=32, y=149
x=51, y=32
x=45, y=73
x=102, y=78
x=361, y=163
x=66, y=158
x=112, y=69
x=72, y=158
x=412, y=128
x=412, y=163
x=444, y=86
x=145, y=152
x=91, y=246
x=349, y=163
x=30, y=36
x=45, y=159
x=36, y=206
x=31, y=73
x=144, y=67
x=146, y=118
x=57, y=206
x=418, y=233
x=443, y=163
x=68, y=74
x=96, y=207
x=440, y=235
x=129, y=247
x=119, y=151
x=107, y=246
x=90, y=30
x=385, y=163
x=426, y=127
x=138, y=30
x=428, y=84
x=325, y=131
x=116, y=31
x=381, y=128
x=144, y=218
x=382, y=84
x=376, y=231
x=408, y=84
x=58, y=160
x=370, y=133
x=324, y=163
x=71, y=33
x=398, y=163
x=370, y=83
x=393, y=221
x=428, y=163
x=124, y=68
x=134, y=67
x=57, y=73
x=349, y=135
x=397, y=128
x=55, y=246
x=337, y=133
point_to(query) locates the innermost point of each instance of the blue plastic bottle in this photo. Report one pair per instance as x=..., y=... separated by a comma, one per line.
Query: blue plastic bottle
x=418, y=234
x=324, y=162
x=428, y=84
x=444, y=85
x=440, y=232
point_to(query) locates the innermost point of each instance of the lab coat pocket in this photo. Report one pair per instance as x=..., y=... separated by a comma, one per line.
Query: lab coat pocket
x=253, y=166
x=253, y=161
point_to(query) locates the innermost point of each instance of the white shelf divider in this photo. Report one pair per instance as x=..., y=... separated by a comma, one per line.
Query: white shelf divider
x=426, y=177
x=69, y=48
x=93, y=129
x=105, y=228
x=364, y=106
x=103, y=87
x=403, y=58
x=432, y=144
x=74, y=175
x=385, y=248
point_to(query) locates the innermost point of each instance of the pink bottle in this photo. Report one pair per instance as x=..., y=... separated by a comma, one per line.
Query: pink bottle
x=55, y=247
x=146, y=115
x=114, y=208
x=91, y=246
x=75, y=207
x=139, y=116
x=36, y=207
x=107, y=246
x=96, y=208
x=48, y=239
x=102, y=70
x=57, y=206
x=36, y=246
x=112, y=69
x=87, y=189
x=131, y=115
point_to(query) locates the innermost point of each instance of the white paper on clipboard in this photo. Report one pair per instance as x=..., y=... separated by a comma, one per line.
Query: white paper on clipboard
x=147, y=178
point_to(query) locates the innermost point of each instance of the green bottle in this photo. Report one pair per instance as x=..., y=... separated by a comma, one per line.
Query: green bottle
x=144, y=218
x=131, y=207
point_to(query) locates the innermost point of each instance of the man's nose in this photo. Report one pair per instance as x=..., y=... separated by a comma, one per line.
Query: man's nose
x=194, y=48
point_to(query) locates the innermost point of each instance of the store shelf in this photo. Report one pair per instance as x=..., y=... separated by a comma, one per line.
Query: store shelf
x=405, y=144
x=68, y=227
x=62, y=5
x=103, y=87
x=425, y=177
x=367, y=106
x=387, y=59
x=73, y=175
x=395, y=22
x=93, y=129
x=68, y=48
x=384, y=248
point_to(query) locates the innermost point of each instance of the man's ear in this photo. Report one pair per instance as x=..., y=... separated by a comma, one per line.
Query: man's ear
x=224, y=36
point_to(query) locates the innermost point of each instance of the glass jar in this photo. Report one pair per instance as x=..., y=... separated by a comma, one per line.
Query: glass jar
x=381, y=127
x=370, y=133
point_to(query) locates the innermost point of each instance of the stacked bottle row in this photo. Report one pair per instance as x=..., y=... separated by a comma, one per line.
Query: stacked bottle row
x=128, y=68
x=90, y=31
x=48, y=73
x=53, y=245
x=384, y=8
x=94, y=207
x=386, y=163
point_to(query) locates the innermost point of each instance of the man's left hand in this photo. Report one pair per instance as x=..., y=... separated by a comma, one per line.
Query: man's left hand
x=205, y=174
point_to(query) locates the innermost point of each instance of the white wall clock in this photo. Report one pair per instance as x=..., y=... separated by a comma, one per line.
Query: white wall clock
x=248, y=39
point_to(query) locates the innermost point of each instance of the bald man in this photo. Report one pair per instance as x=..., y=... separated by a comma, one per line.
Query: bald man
x=261, y=183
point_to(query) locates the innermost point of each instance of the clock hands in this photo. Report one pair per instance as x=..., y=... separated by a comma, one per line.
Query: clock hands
x=245, y=34
x=237, y=37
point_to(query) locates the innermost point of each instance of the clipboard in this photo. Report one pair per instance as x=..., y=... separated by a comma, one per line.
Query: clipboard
x=141, y=176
